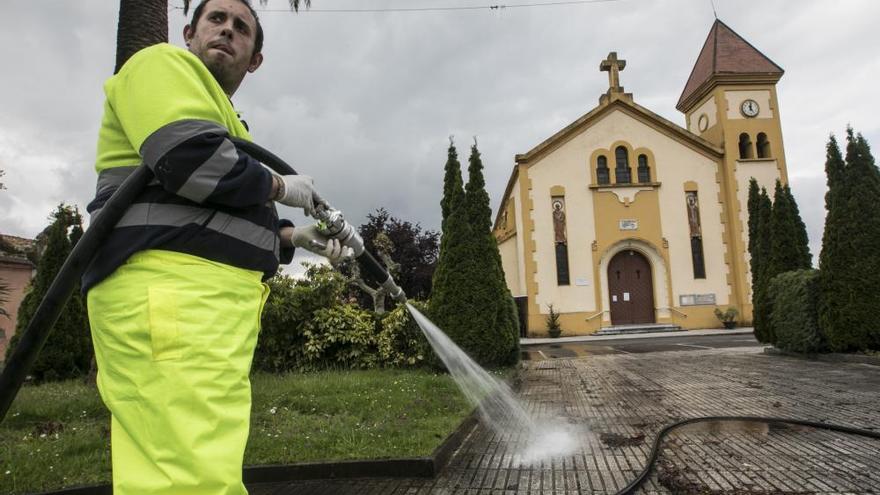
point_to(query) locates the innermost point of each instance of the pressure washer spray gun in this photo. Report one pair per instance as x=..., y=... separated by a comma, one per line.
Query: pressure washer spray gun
x=332, y=223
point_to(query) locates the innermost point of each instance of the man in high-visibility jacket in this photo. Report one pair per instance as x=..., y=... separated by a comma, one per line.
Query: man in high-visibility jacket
x=176, y=292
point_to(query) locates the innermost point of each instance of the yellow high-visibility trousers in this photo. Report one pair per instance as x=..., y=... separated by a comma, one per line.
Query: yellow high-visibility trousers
x=174, y=339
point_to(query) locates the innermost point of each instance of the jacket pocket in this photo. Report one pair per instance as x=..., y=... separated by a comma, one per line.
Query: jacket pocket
x=164, y=330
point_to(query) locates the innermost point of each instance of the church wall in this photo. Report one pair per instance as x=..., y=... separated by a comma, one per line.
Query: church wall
x=674, y=166
x=520, y=289
x=510, y=244
x=660, y=211
x=563, y=170
x=710, y=109
x=510, y=263
x=733, y=124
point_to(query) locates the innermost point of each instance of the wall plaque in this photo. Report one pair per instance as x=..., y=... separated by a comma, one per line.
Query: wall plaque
x=696, y=299
x=581, y=281
x=629, y=225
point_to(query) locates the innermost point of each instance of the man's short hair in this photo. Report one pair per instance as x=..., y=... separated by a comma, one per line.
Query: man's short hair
x=258, y=41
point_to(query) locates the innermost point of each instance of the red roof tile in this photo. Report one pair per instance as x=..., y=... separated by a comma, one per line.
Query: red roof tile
x=726, y=52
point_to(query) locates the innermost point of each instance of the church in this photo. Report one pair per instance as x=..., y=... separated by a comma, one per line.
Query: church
x=624, y=219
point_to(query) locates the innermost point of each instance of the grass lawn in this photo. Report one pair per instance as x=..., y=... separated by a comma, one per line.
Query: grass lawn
x=58, y=434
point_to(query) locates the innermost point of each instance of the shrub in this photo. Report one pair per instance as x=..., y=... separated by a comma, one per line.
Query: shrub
x=291, y=305
x=794, y=318
x=340, y=336
x=729, y=315
x=401, y=342
x=553, y=327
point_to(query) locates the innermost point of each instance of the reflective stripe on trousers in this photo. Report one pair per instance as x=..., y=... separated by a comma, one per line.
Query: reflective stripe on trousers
x=174, y=339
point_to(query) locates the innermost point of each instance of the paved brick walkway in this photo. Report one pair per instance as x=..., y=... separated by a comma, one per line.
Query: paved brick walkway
x=623, y=400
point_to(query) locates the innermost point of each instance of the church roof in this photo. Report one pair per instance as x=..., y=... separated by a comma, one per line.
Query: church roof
x=14, y=249
x=634, y=110
x=725, y=53
x=624, y=104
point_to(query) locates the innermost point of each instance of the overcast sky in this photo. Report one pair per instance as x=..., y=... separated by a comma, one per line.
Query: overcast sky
x=365, y=102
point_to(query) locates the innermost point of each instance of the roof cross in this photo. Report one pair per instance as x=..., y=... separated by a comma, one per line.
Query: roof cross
x=613, y=66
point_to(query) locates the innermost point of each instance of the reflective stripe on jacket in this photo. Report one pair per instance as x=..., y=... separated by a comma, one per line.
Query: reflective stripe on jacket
x=166, y=110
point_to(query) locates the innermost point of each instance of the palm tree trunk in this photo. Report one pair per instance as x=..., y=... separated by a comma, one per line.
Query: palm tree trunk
x=142, y=23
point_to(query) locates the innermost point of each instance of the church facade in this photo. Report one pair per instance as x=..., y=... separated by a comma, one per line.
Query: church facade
x=625, y=218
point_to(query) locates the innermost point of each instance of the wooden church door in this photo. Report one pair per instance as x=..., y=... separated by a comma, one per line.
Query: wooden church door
x=630, y=289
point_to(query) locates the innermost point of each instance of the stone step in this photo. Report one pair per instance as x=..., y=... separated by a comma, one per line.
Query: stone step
x=632, y=329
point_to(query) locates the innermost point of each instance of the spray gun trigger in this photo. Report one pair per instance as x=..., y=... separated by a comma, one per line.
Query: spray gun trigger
x=317, y=244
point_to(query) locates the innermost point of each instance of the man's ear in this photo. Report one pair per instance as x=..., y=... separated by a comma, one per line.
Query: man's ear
x=256, y=61
x=187, y=34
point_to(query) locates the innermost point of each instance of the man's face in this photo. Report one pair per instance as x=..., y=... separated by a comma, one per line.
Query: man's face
x=224, y=40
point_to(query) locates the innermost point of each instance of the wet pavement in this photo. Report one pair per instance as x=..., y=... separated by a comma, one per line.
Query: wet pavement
x=621, y=400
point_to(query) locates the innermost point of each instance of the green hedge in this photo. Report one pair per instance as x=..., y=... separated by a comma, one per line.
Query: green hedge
x=794, y=319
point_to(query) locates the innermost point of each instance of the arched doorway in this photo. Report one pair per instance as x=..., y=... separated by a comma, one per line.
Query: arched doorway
x=630, y=288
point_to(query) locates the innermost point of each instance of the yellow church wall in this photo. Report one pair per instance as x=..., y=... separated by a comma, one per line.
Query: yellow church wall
x=562, y=172
x=660, y=210
x=710, y=109
x=733, y=123
x=677, y=166
x=510, y=262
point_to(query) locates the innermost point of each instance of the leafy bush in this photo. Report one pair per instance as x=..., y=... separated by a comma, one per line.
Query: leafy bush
x=552, y=319
x=341, y=336
x=291, y=305
x=794, y=318
x=306, y=326
x=401, y=342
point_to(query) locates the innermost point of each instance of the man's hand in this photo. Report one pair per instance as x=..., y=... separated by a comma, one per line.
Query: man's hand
x=295, y=190
x=311, y=239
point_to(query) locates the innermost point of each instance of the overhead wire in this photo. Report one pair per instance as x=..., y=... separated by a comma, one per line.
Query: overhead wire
x=495, y=7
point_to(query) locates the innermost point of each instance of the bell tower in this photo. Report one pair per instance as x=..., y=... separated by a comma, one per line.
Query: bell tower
x=730, y=100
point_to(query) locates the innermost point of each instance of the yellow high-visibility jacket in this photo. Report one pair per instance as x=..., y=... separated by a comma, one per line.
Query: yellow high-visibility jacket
x=164, y=109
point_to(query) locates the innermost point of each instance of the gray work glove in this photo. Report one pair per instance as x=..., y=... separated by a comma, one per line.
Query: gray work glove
x=298, y=192
x=309, y=238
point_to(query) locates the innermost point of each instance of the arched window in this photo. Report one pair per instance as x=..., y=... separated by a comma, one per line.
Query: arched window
x=644, y=169
x=603, y=175
x=745, y=147
x=763, y=146
x=622, y=174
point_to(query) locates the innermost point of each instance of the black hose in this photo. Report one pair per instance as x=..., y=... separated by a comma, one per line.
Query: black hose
x=655, y=450
x=38, y=329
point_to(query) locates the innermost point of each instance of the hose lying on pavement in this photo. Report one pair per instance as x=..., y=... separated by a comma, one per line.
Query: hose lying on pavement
x=655, y=450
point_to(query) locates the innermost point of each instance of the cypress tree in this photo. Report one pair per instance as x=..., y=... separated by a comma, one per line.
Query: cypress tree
x=506, y=327
x=789, y=251
x=760, y=309
x=754, y=258
x=804, y=260
x=788, y=236
x=452, y=184
x=68, y=351
x=850, y=290
x=832, y=287
x=466, y=297
x=453, y=291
